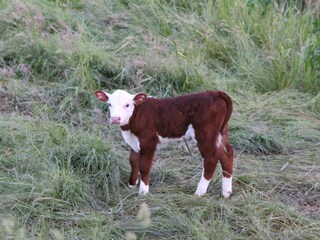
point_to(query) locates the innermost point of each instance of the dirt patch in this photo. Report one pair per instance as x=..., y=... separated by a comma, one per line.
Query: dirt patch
x=305, y=199
x=6, y=101
x=10, y=102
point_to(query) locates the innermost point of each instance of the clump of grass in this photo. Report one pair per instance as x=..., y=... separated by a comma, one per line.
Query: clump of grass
x=269, y=124
x=61, y=156
x=144, y=215
x=54, y=43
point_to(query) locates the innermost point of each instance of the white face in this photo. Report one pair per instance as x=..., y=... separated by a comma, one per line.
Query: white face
x=121, y=105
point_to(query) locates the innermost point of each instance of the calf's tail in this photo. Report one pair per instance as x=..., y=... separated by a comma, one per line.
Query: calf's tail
x=228, y=102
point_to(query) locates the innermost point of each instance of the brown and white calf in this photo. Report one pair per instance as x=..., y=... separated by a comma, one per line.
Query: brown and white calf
x=146, y=122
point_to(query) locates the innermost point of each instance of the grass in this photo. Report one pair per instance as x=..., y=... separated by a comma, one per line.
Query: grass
x=158, y=45
x=71, y=181
x=64, y=171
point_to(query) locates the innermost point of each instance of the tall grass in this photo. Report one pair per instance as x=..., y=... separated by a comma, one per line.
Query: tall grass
x=275, y=122
x=174, y=46
x=53, y=152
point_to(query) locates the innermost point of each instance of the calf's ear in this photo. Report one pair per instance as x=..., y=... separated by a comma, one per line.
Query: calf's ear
x=101, y=95
x=139, y=98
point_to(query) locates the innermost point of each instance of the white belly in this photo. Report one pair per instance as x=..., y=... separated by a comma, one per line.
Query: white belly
x=189, y=135
x=133, y=141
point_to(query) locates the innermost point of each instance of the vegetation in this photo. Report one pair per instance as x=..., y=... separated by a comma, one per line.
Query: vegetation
x=64, y=170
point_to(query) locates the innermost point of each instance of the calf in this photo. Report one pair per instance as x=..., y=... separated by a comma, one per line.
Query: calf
x=146, y=122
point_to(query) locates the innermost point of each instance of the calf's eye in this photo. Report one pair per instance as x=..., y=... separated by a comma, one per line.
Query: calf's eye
x=127, y=105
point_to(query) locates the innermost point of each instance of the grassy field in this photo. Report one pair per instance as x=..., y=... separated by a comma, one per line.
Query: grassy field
x=64, y=169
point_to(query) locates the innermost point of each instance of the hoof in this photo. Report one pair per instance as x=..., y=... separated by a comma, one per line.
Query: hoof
x=143, y=189
x=226, y=194
x=199, y=193
x=226, y=187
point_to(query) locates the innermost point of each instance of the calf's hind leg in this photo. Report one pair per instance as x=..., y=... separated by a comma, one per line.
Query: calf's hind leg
x=210, y=160
x=226, y=160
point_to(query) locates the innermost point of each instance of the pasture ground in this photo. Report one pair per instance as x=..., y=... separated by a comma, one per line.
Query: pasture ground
x=64, y=170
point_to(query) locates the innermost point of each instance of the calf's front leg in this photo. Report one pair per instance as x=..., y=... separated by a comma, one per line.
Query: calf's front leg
x=145, y=164
x=134, y=162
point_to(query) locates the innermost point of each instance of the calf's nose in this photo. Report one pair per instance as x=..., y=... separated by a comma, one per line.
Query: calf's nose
x=115, y=120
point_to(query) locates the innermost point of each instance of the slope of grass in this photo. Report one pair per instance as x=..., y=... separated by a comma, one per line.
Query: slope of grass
x=160, y=45
x=64, y=170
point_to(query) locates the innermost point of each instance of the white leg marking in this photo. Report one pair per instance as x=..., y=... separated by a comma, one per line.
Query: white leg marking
x=219, y=139
x=202, y=186
x=133, y=186
x=226, y=187
x=144, y=189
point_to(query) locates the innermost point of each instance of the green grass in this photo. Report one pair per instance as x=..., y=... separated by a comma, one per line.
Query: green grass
x=58, y=179
x=161, y=45
x=64, y=170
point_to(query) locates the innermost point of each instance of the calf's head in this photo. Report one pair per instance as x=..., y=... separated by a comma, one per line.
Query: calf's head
x=121, y=104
